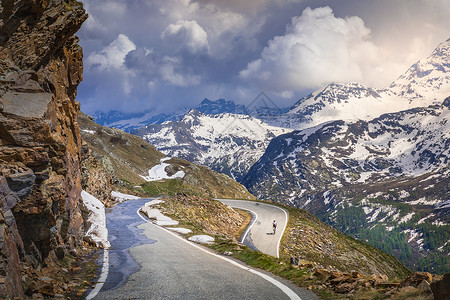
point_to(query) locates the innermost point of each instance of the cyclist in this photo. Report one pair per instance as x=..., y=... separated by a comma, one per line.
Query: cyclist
x=274, y=225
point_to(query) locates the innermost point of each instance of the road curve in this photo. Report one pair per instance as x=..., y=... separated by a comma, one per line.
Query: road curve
x=259, y=235
x=170, y=267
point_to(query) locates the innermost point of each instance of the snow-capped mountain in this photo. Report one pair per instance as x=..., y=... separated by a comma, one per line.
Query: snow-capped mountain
x=428, y=80
x=393, y=172
x=335, y=154
x=227, y=143
x=132, y=121
x=342, y=101
x=425, y=83
x=337, y=101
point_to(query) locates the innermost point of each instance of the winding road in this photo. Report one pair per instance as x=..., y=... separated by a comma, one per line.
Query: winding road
x=259, y=234
x=150, y=262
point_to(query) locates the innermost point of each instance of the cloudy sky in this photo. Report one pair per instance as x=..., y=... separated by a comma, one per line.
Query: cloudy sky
x=168, y=54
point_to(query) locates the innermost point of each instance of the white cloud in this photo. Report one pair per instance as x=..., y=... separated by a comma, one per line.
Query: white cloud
x=170, y=71
x=113, y=55
x=251, y=37
x=215, y=25
x=188, y=34
x=317, y=48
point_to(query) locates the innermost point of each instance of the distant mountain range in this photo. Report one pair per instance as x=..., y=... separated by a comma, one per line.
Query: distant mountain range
x=337, y=101
x=227, y=143
x=132, y=121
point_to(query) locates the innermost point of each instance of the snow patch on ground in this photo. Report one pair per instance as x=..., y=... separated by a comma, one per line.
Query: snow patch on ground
x=420, y=243
x=424, y=201
x=153, y=202
x=155, y=214
x=180, y=230
x=413, y=234
x=95, y=220
x=406, y=218
x=88, y=131
x=445, y=204
x=404, y=194
x=367, y=210
x=158, y=172
x=374, y=216
x=423, y=219
x=120, y=197
x=307, y=202
x=326, y=197
x=202, y=239
x=442, y=248
x=438, y=223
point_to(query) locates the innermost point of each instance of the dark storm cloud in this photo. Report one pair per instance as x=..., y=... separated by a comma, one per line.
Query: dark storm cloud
x=163, y=54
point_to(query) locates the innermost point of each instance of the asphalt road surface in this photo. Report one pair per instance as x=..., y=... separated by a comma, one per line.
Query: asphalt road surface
x=170, y=267
x=260, y=234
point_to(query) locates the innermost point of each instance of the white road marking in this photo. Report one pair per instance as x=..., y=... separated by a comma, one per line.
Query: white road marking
x=290, y=293
x=103, y=276
x=250, y=226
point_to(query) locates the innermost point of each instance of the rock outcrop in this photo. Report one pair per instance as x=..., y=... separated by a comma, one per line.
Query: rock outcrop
x=40, y=144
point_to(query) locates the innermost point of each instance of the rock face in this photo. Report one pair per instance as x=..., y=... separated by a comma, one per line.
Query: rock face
x=441, y=289
x=40, y=143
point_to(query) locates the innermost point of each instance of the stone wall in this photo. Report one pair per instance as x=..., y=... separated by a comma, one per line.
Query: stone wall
x=40, y=144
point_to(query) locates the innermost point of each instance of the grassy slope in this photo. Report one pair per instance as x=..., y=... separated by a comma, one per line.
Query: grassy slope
x=308, y=238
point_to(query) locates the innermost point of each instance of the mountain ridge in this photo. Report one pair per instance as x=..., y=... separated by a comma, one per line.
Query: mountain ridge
x=227, y=143
x=129, y=122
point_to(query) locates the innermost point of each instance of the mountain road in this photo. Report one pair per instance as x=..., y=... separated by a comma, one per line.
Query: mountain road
x=170, y=267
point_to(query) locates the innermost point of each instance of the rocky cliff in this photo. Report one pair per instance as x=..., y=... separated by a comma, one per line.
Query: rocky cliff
x=40, y=144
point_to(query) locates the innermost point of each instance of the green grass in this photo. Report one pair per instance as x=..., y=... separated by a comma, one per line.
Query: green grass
x=256, y=259
x=167, y=187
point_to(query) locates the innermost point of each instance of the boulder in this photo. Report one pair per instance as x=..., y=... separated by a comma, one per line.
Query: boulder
x=416, y=279
x=441, y=288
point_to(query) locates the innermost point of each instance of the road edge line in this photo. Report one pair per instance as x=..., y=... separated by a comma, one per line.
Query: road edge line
x=290, y=293
x=104, y=274
x=254, y=214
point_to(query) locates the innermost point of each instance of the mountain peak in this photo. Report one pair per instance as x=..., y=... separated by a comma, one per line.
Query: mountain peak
x=220, y=106
x=427, y=81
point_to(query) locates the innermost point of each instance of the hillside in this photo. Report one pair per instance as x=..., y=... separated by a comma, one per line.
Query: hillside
x=306, y=237
x=384, y=181
x=131, y=160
